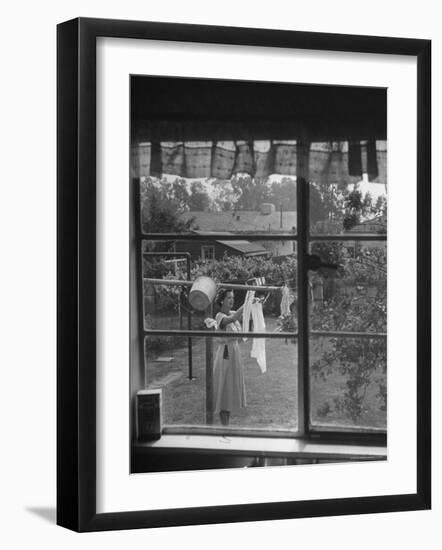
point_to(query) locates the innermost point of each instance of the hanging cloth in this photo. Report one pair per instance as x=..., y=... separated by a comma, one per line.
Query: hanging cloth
x=253, y=309
x=247, y=311
x=259, y=344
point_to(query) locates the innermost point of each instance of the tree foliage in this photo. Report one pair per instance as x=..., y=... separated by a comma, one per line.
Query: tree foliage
x=161, y=207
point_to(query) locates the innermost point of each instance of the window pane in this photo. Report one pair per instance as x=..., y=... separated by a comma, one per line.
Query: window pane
x=267, y=366
x=351, y=294
x=348, y=375
x=241, y=204
x=255, y=399
x=348, y=382
x=167, y=306
x=350, y=208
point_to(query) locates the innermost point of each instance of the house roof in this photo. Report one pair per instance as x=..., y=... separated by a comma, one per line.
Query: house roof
x=247, y=248
x=241, y=220
x=369, y=226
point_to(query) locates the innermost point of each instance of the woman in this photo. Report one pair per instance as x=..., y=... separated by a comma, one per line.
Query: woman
x=228, y=378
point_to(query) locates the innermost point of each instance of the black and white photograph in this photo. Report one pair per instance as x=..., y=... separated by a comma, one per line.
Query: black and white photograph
x=243, y=268
x=258, y=301
x=224, y=331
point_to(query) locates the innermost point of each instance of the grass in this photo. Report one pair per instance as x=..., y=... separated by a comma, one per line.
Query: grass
x=271, y=396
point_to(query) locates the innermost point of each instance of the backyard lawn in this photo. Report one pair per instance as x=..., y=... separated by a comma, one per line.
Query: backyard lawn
x=271, y=396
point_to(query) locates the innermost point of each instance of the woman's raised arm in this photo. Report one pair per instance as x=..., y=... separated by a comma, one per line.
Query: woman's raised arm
x=235, y=316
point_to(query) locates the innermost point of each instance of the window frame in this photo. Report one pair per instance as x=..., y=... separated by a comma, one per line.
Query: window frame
x=302, y=238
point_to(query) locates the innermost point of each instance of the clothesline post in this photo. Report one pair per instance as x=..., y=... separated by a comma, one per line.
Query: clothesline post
x=189, y=341
x=209, y=373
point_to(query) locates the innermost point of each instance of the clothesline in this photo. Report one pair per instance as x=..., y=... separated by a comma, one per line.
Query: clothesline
x=219, y=285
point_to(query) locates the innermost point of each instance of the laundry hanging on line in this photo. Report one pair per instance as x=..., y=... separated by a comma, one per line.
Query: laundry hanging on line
x=253, y=309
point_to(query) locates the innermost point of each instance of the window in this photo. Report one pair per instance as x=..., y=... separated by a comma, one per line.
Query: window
x=296, y=230
x=207, y=253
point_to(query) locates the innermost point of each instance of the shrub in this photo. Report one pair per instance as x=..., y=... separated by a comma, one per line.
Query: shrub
x=362, y=361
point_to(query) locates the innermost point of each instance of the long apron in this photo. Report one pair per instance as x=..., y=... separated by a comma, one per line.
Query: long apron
x=228, y=377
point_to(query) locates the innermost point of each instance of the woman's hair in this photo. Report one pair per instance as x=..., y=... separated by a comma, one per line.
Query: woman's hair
x=221, y=295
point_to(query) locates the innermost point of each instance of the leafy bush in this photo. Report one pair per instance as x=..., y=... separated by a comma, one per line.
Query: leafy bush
x=361, y=361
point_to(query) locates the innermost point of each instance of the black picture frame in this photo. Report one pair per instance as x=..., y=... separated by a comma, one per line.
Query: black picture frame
x=76, y=274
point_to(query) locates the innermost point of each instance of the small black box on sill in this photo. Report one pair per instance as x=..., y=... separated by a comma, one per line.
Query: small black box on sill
x=149, y=421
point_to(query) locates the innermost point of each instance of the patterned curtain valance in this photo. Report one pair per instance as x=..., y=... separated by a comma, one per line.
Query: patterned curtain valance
x=329, y=162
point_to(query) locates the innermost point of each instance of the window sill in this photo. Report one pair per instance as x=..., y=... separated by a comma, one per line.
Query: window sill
x=260, y=447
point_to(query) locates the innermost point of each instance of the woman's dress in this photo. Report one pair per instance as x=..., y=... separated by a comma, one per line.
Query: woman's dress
x=228, y=377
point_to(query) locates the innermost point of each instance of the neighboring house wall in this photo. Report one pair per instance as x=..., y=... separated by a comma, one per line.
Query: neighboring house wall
x=195, y=249
x=278, y=248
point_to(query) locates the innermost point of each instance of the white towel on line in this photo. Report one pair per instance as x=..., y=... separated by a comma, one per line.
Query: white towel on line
x=254, y=310
x=247, y=311
x=259, y=344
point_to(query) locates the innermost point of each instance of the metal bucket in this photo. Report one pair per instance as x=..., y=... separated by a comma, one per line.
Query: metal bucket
x=202, y=293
